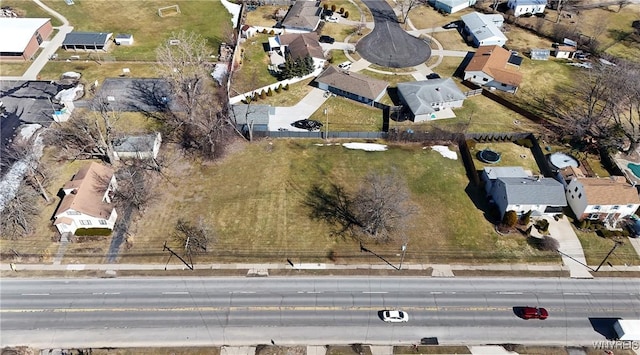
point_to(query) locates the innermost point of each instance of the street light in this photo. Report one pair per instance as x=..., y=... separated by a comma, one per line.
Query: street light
x=404, y=251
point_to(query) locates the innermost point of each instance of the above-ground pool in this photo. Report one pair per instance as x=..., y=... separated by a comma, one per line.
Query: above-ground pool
x=635, y=169
x=489, y=156
x=563, y=160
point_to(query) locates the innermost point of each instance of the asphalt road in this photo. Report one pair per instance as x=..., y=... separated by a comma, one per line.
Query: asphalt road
x=388, y=44
x=124, y=312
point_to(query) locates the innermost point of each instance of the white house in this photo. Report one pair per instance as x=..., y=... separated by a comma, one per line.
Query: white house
x=494, y=67
x=87, y=200
x=451, y=6
x=602, y=199
x=540, y=195
x=138, y=147
x=484, y=30
x=521, y=7
x=425, y=98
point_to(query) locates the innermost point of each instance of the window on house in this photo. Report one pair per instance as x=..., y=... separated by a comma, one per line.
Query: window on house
x=594, y=216
x=73, y=213
x=85, y=222
x=103, y=222
x=615, y=207
x=580, y=195
x=576, y=189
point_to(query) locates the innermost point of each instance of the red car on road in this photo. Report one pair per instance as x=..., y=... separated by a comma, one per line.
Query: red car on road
x=534, y=312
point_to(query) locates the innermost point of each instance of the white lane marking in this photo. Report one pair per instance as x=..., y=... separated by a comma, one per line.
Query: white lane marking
x=176, y=293
x=36, y=294
x=374, y=292
x=436, y=292
x=509, y=293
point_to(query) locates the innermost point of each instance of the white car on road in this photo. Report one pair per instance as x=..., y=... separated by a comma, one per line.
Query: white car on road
x=395, y=316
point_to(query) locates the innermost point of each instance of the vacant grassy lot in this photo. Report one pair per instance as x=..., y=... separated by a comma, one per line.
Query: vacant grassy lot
x=348, y=116
x=92, y=71
x=30, y=9
x=254, y=200
x=141, y=19
x=13, y=68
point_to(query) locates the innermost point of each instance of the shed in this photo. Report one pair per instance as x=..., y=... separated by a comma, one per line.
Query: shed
x=124, y=39
x=86, y=40
x=138, y=147
x=540, y=54
x=252, y=117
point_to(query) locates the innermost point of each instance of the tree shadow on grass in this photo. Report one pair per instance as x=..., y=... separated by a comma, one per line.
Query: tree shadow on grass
x=333, y=205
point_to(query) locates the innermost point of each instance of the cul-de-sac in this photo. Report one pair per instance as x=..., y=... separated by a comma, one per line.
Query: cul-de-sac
x=330, y=177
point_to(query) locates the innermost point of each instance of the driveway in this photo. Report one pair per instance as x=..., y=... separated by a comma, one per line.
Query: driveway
x=388, y=45
x=284, y=116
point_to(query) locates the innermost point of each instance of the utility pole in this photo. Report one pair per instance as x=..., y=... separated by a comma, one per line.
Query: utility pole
x=166, y=248
x=326, y=128
x=404, y=251
x=618, y=243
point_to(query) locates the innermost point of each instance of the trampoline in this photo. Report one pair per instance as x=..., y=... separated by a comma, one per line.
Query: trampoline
x=489, y=156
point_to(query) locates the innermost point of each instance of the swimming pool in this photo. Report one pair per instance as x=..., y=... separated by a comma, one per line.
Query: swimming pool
x=635, y=168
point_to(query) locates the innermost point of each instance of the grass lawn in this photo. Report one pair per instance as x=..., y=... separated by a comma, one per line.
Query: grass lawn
x=30, y=9
x=263, y=16
x=349, y=116
x=596, y=248
x=92, y=71
x=256, y=207
x=477, y=115
x=141, y=19
x=13, y=68
x=431, y=349
x=451, y=40
x=512, y=155
x=447, y=67
x=254, y=71
x=522, y=40
x=425, y=16
x=288, y=97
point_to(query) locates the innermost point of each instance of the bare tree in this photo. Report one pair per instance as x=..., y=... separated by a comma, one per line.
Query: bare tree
x=134, y=185
x=201, y=120
x=406, y=6
x=87, y=135
x=24, y=150
x=16, y=219
x=382, y=206
x=193, y=238
x=625, y=101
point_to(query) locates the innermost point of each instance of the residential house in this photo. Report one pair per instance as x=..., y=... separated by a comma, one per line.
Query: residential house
x=494, y=67
x=352, y=85
x=254, y=118
x=564, y=51
x=304, y=15
x=23, y=36
x=426, y=97
x=138, y=147
x=87, y=200
x=490, y=174
x=521, y=7
x=602, y=199
x=540, y=195
x=451, y=6
x=86, y=40
x=484, y=30
x=296, y=45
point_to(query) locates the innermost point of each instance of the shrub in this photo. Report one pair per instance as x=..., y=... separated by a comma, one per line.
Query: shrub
x=269, y=92
x=255, y=96
x=263, y=94
x=272, y=32
x=341, y=11
x=526, y=218
x=93, y=232
x=278, y=88
x=264, y=31
x=286, y=86
x=542, y=226
x=325, y=6
x=247, y=100
x=333, y=8
x=510, y=218
x=346, y=14
x=471, y=143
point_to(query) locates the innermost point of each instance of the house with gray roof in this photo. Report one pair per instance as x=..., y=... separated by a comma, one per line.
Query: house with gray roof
x=144, y=146
x=253, y=118
x=304, y=15
x=490, y=174
x=425, y=98
x=352, y=85
x=86, y=40
x=541, y=195
x=484, y=30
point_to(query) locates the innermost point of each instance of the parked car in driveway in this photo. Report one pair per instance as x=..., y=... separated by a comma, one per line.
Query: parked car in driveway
x=309, y=125
x=333, y=18
x=394, y=316
x=326, y=39
x=533, y=313
x=345, y=66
